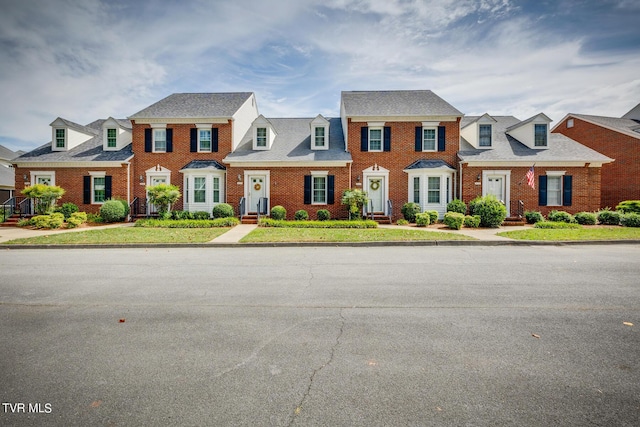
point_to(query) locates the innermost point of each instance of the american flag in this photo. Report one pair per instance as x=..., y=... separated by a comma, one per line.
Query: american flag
x=531, y=178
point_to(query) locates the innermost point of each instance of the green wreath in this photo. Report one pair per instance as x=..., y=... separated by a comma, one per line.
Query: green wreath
x=375, y=184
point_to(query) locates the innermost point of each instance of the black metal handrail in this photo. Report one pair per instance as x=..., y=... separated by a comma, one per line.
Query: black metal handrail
x=25, y=207
x=261, y=208
x=242, y=206
x=389, y=209
x=134, y=208
x=519, y=209
x=8, y=208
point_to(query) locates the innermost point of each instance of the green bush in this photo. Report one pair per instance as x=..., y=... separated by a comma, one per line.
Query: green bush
x=454, y=220
x=553, y=225
x=301, y=215
x=629, y=206
x=201, y=215
x=67, y=209
x=125, y=204
x=457, y=205
x=402, y=222
x=95, y=219
x=76, y=219
x=112, y=211
x=323, y=215
x=178, y=215
x=223, y=210
x=533, y=217
x=433, y=216
x=631, y=219
x=409, y=211
x=278, y=212
x=268, y=222
x=472, y=221
x=188, y=223
x=491, y=210
x=560, y=216
x=608, y=217
x=586, y=218
x=423, y=219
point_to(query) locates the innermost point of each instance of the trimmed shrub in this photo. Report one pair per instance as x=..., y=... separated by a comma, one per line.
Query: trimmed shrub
x=67, y=209
x=402, y=222
x=423, y=219
x=323, y=215
x=95, y=219
x=223, y=210
x=454, y=220
x=560, y=216
x=188, y=223
x=533, y=217
x=409, y=211
x=125, y=204
x=433, y=216
x=553, y=224
x=76, y=219
x=457, y=205
x=201, y=215
x=608, y=217
x=629, y=206
x=268, y=222
x=491, y=211
x=112, y=211
x=301, y=215
x=472, y=221
x=178, y=215
x=278, y=212
x=586, y=218
x=631, y=219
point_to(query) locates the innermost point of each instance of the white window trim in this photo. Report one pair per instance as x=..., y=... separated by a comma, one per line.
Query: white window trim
x=319, y=174
x=569, y=123
x=55, y=138
x=154, y=127
x=200, y=150
x=435, y=139
x=100, y=174
x=194, y=189
x=325, y=146
x=546, y=125
x=189, y=185
x=424, y=175
x=381, y=129
x=106, y=138
x=35, y=174
x=490, y=135
x=559, y=175
x=266, y=138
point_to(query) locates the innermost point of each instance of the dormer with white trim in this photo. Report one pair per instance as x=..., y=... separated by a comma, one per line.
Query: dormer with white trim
x=66, y=135
x=115, y=135
x=263, y=133
x=320, y=133
x=533, y=132
x=481, y=132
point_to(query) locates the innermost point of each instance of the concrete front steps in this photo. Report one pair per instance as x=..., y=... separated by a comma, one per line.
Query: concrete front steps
x=513, y=221
x=12, y=221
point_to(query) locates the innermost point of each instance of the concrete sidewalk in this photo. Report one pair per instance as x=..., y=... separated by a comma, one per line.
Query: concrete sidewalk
x=235, y=234
x=11, y=233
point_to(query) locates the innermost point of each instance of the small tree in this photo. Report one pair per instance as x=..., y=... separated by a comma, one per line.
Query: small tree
x=355, y=200
x=163, y=196
x=44, y=197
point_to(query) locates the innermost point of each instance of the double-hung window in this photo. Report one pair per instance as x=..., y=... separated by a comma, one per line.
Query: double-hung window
x=416, y=189
x=261, y=137
x=112, y=136
x=540, y=135
x=429, y=139
x=319, y=137
x=485, y=136
x=60, y=138
x=375, y=139
x=554, y=190
x=433, y=189
x=216, y=189
x=199, y=189
x=319, y=190
x=204, y=138
x=99, y=189
x=159, y=140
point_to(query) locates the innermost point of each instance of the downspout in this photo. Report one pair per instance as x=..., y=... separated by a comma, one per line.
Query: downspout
x=460, y=192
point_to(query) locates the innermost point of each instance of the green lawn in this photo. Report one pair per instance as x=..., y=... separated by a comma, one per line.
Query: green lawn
x=126, y=235
x=345, y=235
x=585, y=233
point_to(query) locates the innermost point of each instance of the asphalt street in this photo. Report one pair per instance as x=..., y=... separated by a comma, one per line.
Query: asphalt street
x=324, y=336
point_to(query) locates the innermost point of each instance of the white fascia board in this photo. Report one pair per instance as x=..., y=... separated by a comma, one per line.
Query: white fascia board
x=439, y=119
x=529, y=163
x=117, y=164
x=279, y=164
x=188, y=120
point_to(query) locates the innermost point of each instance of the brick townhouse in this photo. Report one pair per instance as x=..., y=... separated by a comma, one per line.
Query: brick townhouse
x=397, y=146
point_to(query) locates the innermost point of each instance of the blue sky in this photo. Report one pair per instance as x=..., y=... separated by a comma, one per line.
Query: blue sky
x=89, y=59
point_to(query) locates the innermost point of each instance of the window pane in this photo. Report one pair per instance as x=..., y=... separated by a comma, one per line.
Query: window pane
x=98, y=189
x=429, y=139
x=433, y=189
x=261, y=137
x=216, y=190
x=319, y=137
x=554, y=192
x=375, y=139
x=541, y=135
x=160, y=140
x=111, y=137
x=60, y=138
x=199, y=189
x=485, y=136
x=319, y=189
x=205, y=140
x=416, y=190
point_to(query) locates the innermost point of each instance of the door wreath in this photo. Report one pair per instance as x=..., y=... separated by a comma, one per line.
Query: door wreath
x=257, y=187
x=375, y=184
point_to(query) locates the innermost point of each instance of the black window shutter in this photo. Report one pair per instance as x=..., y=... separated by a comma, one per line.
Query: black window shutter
x=147, y=140
x=441, y=136
x=307, y=189
x=542, y=190
x=364, y=139
x=86, y=190
x=387, y=138
x=169, y=140
x=214, y=140
x=418, y=138
x=194, y=140
x=107, y=187
x=331, y=180
x=567, y=184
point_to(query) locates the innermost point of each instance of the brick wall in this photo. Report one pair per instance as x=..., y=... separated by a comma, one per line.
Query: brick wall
x=71, y=180
x=402, y=154
x=620, y=179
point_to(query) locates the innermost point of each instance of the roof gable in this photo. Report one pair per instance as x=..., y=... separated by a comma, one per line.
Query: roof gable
x=195, y=105
x=398, y=103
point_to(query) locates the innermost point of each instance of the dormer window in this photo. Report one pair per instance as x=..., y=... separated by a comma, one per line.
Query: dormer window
x=540, y=135
x=429, y=139
x=60, y=138
x=484, y=136
x=261, y=137
x=319, y=133
x=112, y=137
x=320, y=137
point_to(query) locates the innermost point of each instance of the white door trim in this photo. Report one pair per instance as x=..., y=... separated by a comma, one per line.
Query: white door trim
x=247, y=186
x=506, y=176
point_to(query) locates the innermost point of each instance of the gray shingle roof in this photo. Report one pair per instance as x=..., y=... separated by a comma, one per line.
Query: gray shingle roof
x=429, y=164
x=204, y=164
x=396, y=103
x=506, y=148
x=622, y=124
x=195, y=105
x=90, y=151
x=293, y=144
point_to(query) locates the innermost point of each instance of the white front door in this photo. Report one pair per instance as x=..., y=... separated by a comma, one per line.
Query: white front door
x=375, y=192
x=155, y=180
x=496, y=187
x=257, y=190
